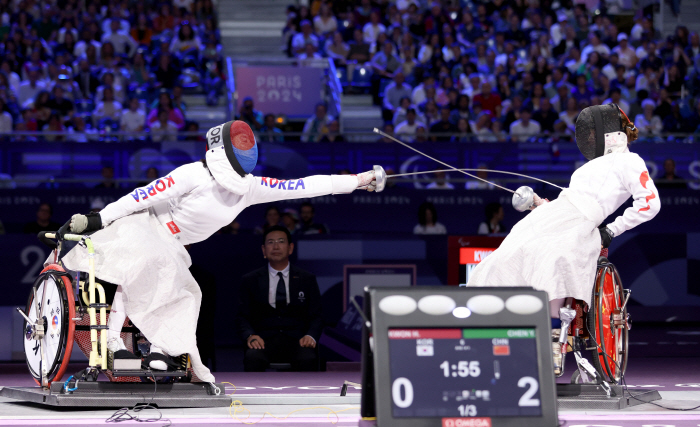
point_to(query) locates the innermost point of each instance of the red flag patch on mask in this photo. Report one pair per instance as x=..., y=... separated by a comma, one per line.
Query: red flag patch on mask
x=643, y=179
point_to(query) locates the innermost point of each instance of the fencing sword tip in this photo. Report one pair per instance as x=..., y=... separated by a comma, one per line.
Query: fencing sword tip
x=376, y=130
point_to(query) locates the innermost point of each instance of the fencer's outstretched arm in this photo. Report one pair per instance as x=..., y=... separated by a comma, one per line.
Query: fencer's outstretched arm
x=264, y=189
x=646, y=203
x=180, y=181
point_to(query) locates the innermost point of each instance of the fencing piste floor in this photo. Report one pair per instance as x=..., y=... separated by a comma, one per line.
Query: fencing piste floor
x=313, y=399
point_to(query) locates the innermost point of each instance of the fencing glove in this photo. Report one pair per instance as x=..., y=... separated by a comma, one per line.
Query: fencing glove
x=606, y=236
x=366, y=181
x=85, y=223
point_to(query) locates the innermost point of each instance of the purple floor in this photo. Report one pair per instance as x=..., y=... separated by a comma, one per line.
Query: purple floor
x=667, y=374
x=663, y=357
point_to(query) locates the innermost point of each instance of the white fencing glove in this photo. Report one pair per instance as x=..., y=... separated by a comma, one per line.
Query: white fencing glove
x=366, y=181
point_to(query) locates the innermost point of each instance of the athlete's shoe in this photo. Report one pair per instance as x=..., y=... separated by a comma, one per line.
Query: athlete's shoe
x=158, y=364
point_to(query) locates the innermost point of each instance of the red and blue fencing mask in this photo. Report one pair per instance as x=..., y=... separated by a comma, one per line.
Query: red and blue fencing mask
x=232, y=153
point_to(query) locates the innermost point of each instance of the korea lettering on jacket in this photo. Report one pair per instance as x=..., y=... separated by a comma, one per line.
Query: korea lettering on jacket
x=283, y=184
x=158, y=186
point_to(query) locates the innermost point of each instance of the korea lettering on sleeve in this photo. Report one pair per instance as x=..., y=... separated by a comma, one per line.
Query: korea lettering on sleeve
x=283, y=184
x=159, y=186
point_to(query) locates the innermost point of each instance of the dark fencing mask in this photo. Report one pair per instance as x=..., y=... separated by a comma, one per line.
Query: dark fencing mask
x=593, y=123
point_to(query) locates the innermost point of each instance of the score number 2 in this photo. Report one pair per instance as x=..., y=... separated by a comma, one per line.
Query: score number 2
x=533, y=386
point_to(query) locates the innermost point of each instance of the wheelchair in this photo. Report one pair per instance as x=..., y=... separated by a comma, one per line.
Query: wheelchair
x=72, y=307
x=601, y=328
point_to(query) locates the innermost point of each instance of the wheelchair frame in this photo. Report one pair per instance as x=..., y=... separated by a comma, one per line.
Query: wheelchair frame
x=603, y=328
x=36, y=329
x=36, y=322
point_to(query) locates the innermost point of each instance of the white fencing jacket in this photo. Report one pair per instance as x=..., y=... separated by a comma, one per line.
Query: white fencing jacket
x=611, y=179
x=192, y=205
x=555, y=247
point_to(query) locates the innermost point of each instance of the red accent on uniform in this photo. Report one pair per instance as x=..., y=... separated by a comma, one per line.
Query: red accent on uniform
x=173, y=227
x=643, y=179
x=241, y=135
x=466, y=422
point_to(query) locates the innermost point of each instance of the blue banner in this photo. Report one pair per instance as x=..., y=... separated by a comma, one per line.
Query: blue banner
x=393, y=211
x=34, y=165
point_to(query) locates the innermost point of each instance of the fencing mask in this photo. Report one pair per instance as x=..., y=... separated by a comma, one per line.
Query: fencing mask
x=231, y=152
x=598, y=125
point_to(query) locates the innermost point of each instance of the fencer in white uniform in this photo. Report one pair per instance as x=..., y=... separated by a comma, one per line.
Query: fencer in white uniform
x=555, y=248
x=140, y=240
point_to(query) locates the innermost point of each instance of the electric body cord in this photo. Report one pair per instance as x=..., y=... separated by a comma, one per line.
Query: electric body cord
x=121, y=415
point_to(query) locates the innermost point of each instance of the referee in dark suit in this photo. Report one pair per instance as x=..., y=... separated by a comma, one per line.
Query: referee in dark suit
x=279, y=309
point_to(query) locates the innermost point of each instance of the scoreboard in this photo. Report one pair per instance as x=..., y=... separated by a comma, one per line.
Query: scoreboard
x=456, y=356
x=478, y=372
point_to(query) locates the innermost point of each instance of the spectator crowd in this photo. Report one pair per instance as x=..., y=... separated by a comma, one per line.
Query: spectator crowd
x=80, y=69
x=502, y=70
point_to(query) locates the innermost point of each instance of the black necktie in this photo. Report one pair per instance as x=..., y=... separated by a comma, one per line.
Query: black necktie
x=281, y=298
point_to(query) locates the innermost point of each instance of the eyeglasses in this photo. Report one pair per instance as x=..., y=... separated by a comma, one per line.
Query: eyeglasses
x=271, y=242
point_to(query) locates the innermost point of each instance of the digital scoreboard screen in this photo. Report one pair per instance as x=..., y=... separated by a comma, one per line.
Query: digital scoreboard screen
x=457, y=372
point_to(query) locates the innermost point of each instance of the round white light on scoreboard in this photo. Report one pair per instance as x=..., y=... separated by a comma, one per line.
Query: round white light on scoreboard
x=524, y=304
x=485, y=304
x=436, y=305
x=461, y=312
x=397, y=305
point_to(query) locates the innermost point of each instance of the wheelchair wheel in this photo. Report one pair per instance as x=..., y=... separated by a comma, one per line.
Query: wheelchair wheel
x=56, y=305
x=607, y=323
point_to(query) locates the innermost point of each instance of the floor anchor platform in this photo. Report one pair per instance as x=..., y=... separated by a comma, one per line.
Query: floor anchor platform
x=117, y=395
x=594, y=396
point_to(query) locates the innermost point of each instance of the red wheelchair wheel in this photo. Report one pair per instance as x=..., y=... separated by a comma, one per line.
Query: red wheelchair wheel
x=59, y=326
x=607, y=323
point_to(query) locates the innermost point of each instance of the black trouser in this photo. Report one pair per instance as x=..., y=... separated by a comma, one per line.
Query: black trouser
x=281, y=349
